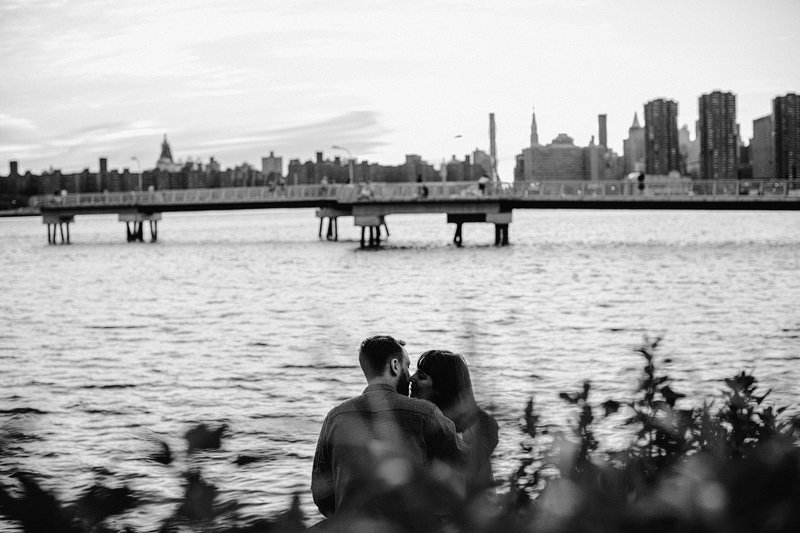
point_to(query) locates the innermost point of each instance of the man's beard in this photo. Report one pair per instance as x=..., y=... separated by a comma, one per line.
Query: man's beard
x=402, y=383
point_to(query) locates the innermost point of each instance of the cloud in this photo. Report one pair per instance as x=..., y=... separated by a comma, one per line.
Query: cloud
x=70, y=148
x=105, y=133
x=9, y=123
x=359, y=131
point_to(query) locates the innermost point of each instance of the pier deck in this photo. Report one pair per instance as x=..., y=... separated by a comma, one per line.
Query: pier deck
x=463, y=202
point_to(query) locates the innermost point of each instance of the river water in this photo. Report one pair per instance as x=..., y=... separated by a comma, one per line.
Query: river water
x=247, y=318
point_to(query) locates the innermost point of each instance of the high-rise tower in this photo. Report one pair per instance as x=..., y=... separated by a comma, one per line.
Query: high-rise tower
x=633, y=147
x=603, y=133
x=718, y=135
x=762, y=148
x=662, y=151
x=534, y=130
x=786, y=124
x=493, y=146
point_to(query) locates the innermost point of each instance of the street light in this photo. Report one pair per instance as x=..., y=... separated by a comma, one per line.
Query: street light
x=139, y=167
x=350, y=164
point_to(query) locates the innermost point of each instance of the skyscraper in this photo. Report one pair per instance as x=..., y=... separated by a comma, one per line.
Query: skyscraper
x=534, y=131
x=633, y=147
x=662, y=151
x=786, y=124
x=602, y=130
x=272, y=165
x=718, y=136
x=690, y=153
x=762, y=147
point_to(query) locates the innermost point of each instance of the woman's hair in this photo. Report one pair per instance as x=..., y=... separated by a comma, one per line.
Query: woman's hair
x=452, y=385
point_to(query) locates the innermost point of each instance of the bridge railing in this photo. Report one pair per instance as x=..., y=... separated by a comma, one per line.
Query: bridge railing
x=382, y=192
x=669, y=188
x=190, y=196
x=566, y=189
x=469, y=190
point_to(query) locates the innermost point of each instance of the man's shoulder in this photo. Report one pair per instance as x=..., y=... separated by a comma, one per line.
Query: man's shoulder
x=344, y=407
x=389, y=401
x=416, y=405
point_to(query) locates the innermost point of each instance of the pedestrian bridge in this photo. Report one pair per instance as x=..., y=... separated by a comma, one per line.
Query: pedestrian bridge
x=463, y=202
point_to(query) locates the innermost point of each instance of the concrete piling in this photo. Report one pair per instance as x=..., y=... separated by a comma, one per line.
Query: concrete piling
x=332, y=231
x=373, y=223
x=457, y=238
x=135, y=233
x=153, y=230
x=56, y=223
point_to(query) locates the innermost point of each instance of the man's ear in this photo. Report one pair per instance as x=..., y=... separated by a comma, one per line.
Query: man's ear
x=394, y=366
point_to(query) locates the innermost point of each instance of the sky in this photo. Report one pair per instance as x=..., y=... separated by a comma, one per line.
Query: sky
x=236, y=80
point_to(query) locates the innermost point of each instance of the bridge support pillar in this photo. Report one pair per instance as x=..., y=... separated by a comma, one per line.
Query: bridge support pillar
x=501, y=223
x=333, y=229
x=332, y=233
x=373, y=223
x=457, y=238
x=56, y=223
x=134, y=225
x=501, y=234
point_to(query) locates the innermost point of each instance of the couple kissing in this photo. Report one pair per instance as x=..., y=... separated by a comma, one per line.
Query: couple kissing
x=385, y=454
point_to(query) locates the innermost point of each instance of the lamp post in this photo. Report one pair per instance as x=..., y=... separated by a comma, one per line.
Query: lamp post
x=139, y=167
x=350, y=161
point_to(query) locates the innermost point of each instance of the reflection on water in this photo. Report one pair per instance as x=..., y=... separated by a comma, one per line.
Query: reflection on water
x=247, y=319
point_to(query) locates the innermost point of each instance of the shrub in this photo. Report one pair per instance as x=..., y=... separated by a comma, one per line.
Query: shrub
x=735, y=468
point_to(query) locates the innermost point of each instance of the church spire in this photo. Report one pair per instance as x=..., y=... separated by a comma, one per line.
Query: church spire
x=534, y=131
x=166, y=152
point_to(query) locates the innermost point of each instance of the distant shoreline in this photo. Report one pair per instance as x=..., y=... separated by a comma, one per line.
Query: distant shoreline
x=20, y=212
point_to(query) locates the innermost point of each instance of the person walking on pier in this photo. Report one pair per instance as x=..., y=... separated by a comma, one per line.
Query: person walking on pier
x=372, y=448
x=422, y=189
x=482, y=182
x=366, y=192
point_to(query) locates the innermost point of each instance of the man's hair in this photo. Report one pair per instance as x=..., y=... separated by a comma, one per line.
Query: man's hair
x=375, y=352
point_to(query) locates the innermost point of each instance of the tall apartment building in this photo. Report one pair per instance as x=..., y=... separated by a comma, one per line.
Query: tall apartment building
x=786, y=125
x=690, y=151
x=633, y=147
x=762, y=148
x=662, y=151
x=272, y=165
x=718, y=133
x=559, y=160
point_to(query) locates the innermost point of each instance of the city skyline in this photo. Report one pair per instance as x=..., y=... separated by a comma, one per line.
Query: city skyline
x=108, y=79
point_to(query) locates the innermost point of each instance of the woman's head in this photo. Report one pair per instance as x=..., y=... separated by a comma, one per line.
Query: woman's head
x=442, y=377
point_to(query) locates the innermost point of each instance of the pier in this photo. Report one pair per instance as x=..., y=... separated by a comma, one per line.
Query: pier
x=370, y=204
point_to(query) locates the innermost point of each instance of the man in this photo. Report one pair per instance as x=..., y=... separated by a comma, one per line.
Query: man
x=373, y=443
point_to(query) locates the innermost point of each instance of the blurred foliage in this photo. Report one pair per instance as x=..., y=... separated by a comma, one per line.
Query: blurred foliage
x=734, y=467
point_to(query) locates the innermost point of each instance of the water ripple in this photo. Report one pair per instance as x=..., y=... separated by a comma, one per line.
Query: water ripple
x=217, y=323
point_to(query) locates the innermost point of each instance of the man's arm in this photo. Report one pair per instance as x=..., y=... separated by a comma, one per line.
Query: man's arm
x=322, y=487
x=442, y=440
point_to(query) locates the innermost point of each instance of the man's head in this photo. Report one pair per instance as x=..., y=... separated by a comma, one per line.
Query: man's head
x=383, y=359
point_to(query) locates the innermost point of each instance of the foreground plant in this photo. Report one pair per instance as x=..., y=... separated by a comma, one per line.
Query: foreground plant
x=732, y=468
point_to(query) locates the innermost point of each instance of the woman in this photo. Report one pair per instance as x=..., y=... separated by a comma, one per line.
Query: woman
x=442, y=377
